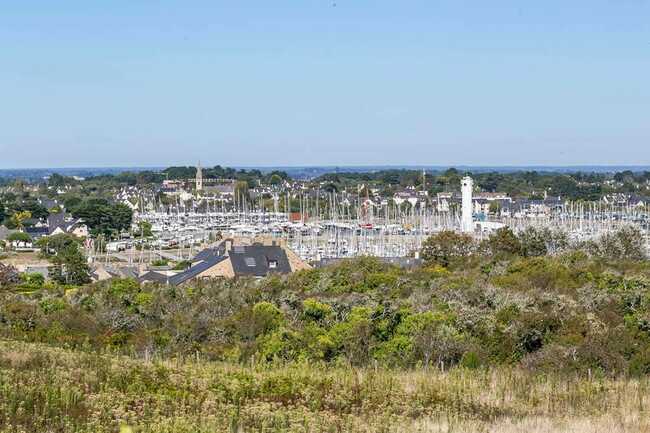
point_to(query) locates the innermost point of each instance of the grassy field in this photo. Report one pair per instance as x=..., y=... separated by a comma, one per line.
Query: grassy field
x=44, y=389
x=22, y=259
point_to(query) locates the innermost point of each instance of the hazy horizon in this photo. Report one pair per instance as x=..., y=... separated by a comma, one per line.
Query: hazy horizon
x=333, y=166
x=307, y=172
x=323, y=83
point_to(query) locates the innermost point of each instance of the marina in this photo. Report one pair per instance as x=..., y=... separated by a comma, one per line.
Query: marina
x=391, y=230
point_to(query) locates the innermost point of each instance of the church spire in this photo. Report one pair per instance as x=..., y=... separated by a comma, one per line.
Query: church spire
x=199, y=177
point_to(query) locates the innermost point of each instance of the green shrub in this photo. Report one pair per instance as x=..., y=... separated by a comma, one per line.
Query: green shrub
x=33, y=281
x=266, y=317
x=316, y=311
x=470, y=360
x=124, y=286
x=640, y=363
x=50, y=305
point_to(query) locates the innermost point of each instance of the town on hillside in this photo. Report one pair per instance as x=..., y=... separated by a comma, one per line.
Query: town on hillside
x=186, y=223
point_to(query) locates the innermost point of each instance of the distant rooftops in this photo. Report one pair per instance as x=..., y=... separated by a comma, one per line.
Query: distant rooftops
x=226, y=260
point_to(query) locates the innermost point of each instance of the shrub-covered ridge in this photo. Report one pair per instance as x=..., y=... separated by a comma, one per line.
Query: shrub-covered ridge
x=568, y=313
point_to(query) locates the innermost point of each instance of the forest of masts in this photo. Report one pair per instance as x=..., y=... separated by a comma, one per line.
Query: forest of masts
x=331, y=225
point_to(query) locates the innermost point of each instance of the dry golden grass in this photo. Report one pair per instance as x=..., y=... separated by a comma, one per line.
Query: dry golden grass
x=47, y=389
x=22, y=259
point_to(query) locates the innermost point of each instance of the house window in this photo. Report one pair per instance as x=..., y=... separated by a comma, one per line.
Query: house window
x=250, y=261
x=273, y=264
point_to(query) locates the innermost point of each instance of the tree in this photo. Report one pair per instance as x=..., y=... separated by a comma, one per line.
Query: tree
x=9, y=197
x=18, y=219
x=275, y=179
x=537, y=242
x=215, y=236
x=533, y=242
x=103, y=217
x=623, y=176
x=56, y=180
x=625, y=244
x=35, y=209
x=69, y=266
x=54, y=244
x=263, y=318
x=121, y=217
x=19, y=237
x=71, y=203
x=490, y=182
x=316, y=311
x=451, y=177
x=180, y=172
x=556, y=240
x=446, y=247
x=355, y=334
x=144, y=229
x=504, y=242
x=266, y=317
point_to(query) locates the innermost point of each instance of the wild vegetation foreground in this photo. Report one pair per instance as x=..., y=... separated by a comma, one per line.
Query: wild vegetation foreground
x=48, y=389
x=523, y=332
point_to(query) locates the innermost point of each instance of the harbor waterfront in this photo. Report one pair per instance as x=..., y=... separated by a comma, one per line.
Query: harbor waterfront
x=351, y=227
x=169, y=217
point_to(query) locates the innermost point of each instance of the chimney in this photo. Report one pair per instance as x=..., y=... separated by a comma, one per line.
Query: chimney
x=228, y=246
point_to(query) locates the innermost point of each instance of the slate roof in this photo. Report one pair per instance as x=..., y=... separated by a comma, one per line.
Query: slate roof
x=247, y=260
x=153, y=277
x=255, y=260
x=122, y=272
x=195, y=270
x=209, y=253
x=55, y=220
x=37, y=232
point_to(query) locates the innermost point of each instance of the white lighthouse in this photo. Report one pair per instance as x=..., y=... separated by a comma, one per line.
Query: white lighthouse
x=466, y=186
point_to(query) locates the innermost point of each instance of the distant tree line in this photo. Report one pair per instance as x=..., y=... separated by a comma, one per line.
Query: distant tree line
x=531, y=184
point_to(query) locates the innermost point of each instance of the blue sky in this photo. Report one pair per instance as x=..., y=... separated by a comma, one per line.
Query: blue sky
x=311, y=82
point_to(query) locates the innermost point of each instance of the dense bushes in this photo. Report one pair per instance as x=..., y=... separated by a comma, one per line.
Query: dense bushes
x=530, y=299
x=8, y=276
x=447, y=247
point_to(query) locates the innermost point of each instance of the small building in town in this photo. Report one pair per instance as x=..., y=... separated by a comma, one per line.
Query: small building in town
x=229, y=261
x=57, y=223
